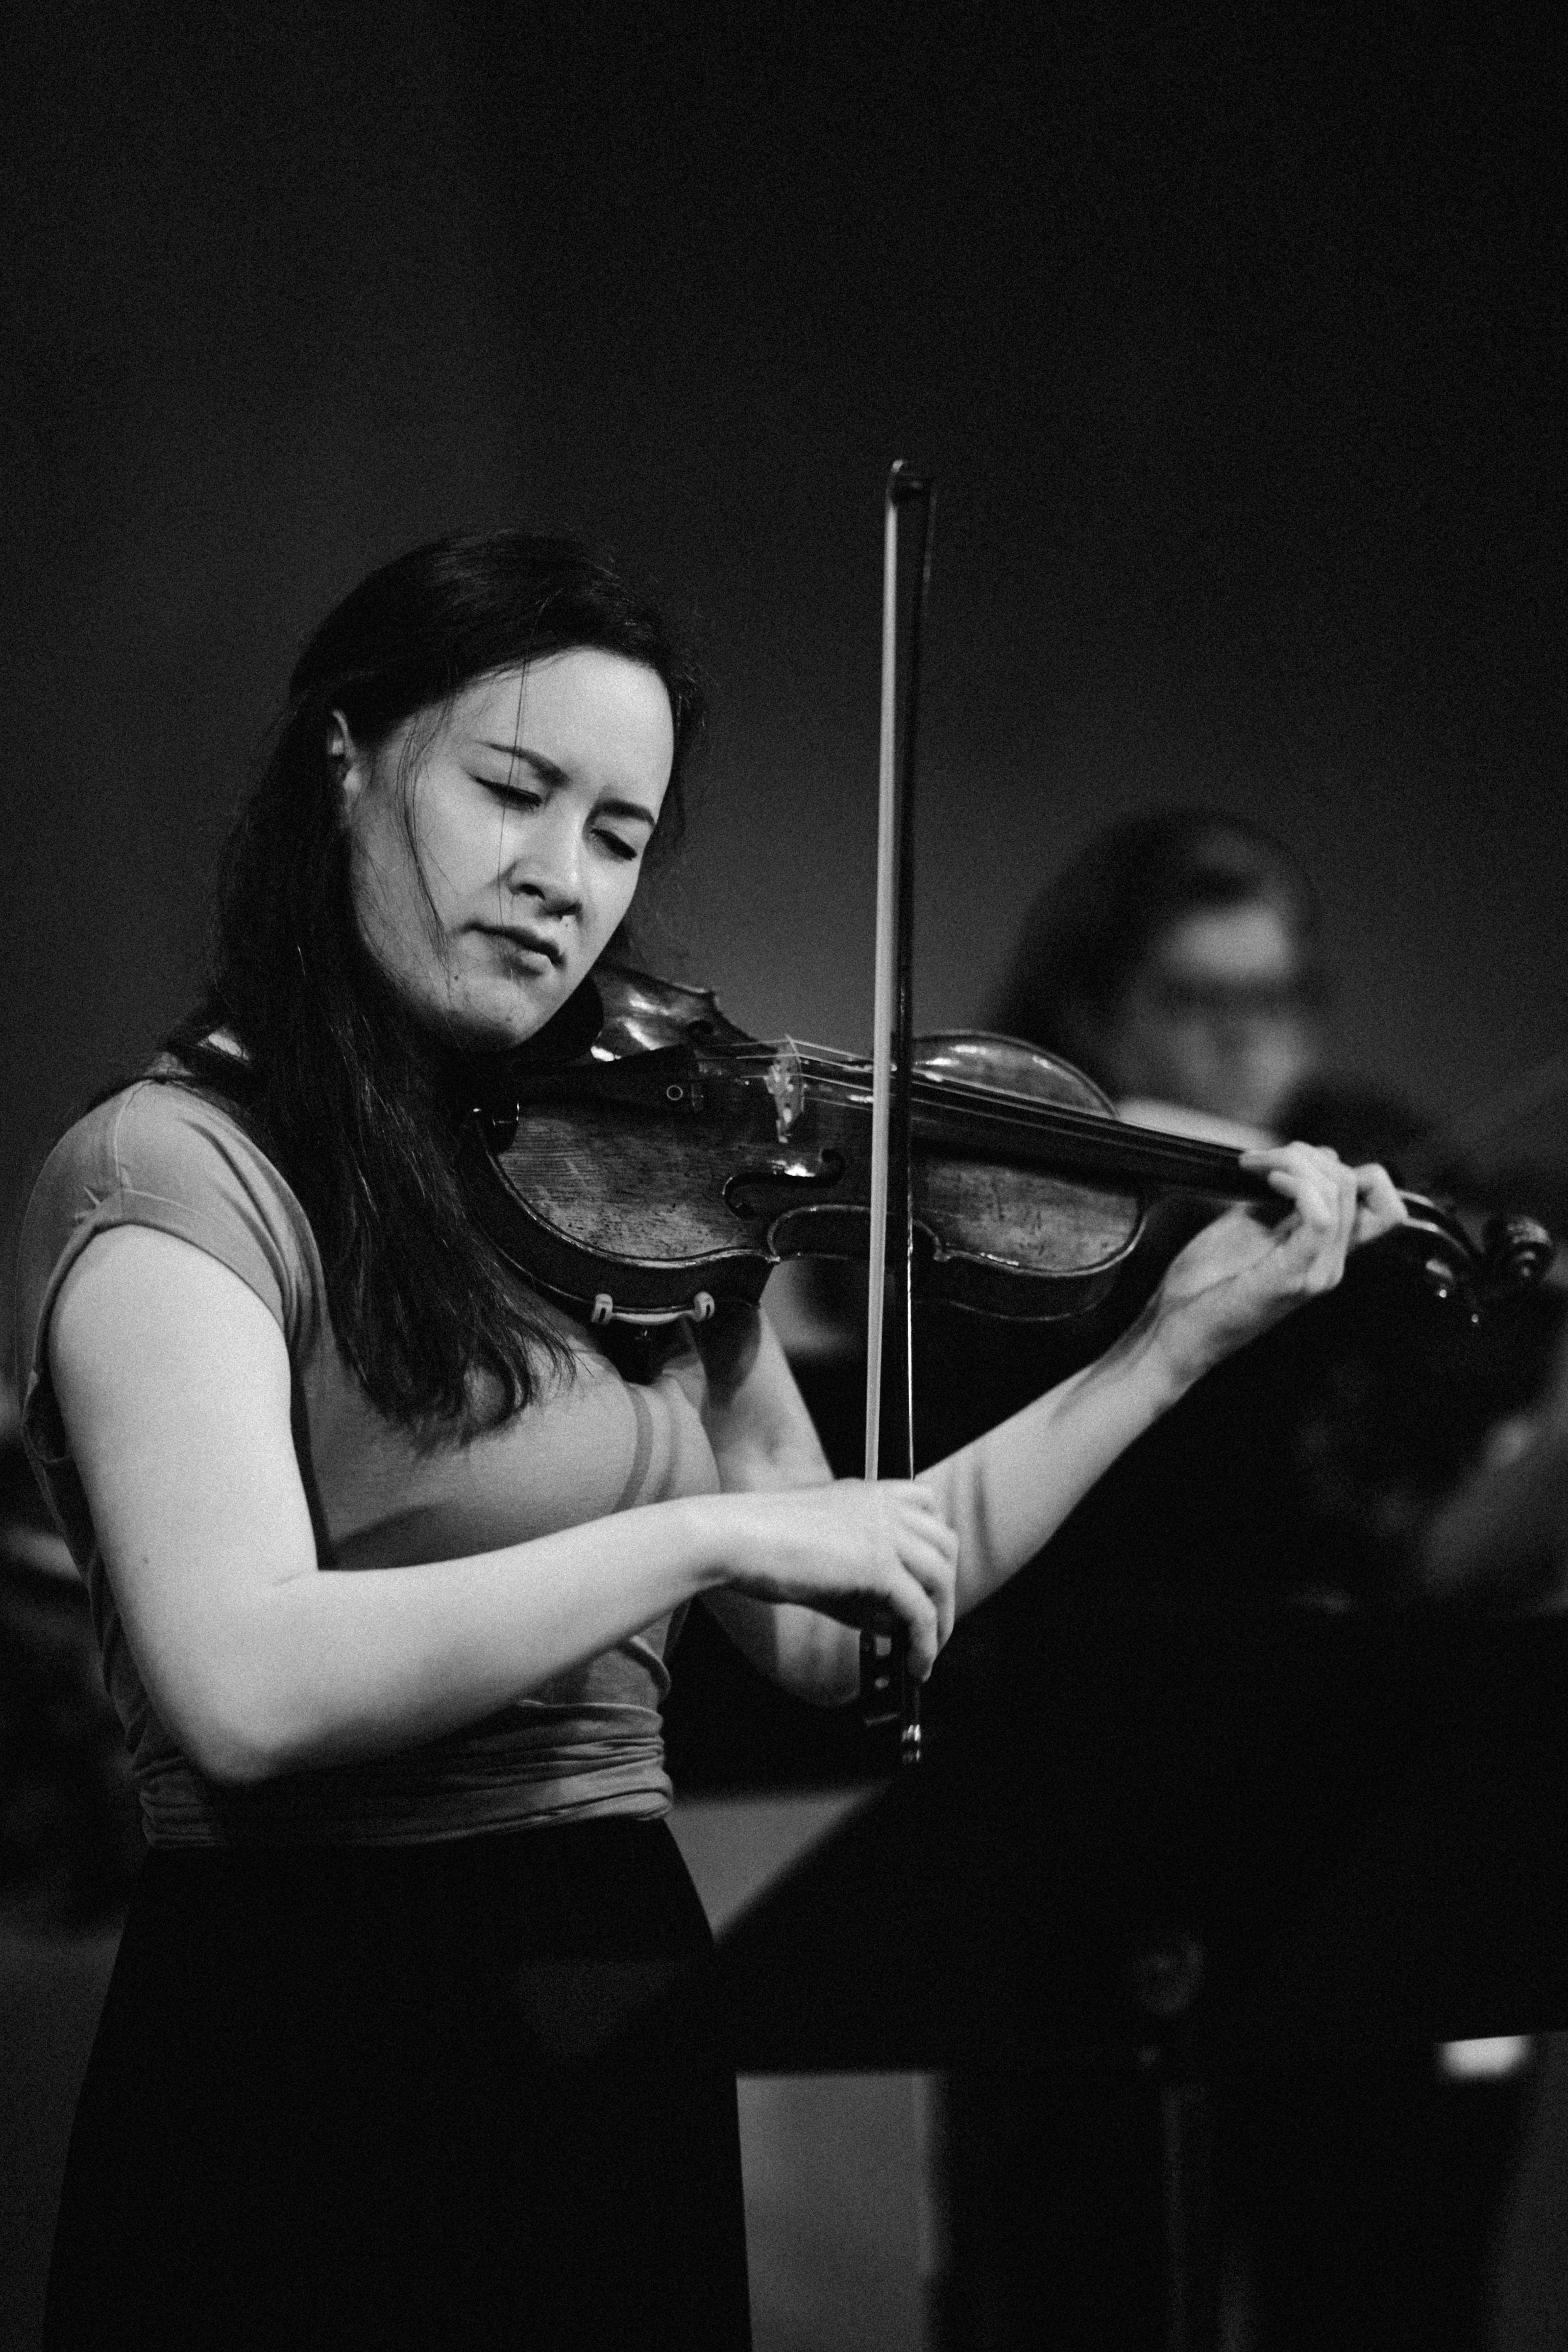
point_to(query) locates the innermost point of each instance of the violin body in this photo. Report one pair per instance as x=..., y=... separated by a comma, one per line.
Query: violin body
x=677, y=1161
x=654, y=1172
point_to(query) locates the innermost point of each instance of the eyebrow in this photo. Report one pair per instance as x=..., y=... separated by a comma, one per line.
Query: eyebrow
x=546, y=769
x=549, y=773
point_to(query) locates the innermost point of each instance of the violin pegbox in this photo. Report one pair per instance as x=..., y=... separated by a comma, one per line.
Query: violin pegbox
x=1516, y=1253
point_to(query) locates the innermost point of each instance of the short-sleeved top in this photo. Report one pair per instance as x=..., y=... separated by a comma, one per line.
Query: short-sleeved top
x=587, y=1745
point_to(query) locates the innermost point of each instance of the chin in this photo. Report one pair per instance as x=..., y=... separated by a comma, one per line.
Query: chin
x=496, y=1036
x=479, y=1027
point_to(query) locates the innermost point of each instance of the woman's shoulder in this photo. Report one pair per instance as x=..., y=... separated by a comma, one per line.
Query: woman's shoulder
x=163, y=1134
x=167, y=1153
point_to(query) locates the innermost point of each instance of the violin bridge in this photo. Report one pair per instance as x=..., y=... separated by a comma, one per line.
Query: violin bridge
x=786, y=1085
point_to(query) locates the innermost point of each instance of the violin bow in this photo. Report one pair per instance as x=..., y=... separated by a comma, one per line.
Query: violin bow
x=888, y=1691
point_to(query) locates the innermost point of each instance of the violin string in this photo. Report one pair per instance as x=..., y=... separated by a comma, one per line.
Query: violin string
x=1146, y=1154
x=1005, y=1108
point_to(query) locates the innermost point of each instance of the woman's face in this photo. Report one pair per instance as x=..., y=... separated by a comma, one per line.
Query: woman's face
x=1216, y=1019
x=495, y=847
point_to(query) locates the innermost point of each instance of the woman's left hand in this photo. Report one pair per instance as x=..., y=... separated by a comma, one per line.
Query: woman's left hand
x=1246, y=1271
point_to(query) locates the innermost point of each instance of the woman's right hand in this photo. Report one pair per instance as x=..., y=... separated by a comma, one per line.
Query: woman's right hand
x=855, y=1552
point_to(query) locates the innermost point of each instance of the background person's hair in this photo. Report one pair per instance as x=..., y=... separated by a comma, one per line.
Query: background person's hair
x=351, y=1098
x=1098, y=922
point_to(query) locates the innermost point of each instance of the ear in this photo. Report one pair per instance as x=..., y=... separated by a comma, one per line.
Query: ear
x=350, y=766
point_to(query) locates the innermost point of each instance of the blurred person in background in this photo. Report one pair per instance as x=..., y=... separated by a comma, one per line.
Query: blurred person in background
x=1179, y=961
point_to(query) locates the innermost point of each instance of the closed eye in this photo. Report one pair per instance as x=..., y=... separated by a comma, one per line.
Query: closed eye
x=619, y=848
x=515, y=795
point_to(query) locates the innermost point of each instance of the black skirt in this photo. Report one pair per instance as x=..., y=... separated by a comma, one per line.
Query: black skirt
x=474, y=2094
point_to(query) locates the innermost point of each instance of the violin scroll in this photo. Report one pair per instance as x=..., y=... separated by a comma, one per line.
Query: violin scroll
x=1516, y=1253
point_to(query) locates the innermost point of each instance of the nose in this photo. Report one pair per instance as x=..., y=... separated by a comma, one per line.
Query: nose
x=548, y=868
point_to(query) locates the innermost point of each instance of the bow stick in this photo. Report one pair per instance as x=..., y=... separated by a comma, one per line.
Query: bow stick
x=888, y=1691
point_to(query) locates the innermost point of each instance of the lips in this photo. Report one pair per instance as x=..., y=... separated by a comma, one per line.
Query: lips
x=535, y=942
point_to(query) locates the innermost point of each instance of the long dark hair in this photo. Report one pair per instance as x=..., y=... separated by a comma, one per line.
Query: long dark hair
x=349, y=1097
x=1096, y=923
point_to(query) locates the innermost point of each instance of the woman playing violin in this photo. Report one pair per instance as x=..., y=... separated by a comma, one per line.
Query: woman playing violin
x=411, y=2038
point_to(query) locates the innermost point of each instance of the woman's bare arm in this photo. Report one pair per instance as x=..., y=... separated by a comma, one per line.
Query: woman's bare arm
x=1005, y=1495
x=260, y=1663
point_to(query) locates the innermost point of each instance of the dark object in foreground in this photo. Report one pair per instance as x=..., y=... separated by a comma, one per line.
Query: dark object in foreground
x=1340, y=1827
x=1206, y=1896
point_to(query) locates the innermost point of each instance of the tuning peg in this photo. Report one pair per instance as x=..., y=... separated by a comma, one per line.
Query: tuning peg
x=1518, y=1252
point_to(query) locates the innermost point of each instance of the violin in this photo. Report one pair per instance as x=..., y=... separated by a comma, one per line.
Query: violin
x=676, y=1161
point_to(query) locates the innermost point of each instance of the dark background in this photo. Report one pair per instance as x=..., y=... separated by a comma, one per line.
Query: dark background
x=1237, y=348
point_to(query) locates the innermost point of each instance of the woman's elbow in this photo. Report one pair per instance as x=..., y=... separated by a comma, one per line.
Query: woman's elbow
x=232, y=1733
x=235, y=1755
x=825, y=1669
